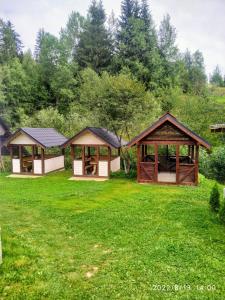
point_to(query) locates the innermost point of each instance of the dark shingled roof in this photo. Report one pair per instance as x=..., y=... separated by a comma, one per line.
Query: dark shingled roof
x=46, y=137
x=170, y=118
x=107, y=136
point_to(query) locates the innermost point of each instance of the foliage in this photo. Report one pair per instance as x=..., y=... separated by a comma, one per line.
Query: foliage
x=94, y=48
x=216, y=78
x=222, y=212
x=213, y=165
x=214, y=200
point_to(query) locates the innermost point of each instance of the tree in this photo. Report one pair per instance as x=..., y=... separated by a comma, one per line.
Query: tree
x=10, y=43
x=69, y=36
x=216, y=78
x=194, y=78
x=94, y=48
x=214, y=200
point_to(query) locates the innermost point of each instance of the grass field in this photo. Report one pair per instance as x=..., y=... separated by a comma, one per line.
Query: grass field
x=109, y=240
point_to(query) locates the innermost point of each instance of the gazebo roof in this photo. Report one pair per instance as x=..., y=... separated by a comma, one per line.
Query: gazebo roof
x=167, y=117
x=105, y=135
x=45, y=137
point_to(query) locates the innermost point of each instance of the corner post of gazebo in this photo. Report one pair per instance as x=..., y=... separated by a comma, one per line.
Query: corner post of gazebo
x=43, y=160
x=109, y=160
x=97, y=154
x=156, y=162
x=72, y=155
x=196, y=163
x=20, y=158
x=83, y=159
x=138, y=161
x=177, y=163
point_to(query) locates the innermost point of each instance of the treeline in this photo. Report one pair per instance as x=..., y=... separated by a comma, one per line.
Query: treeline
x=117, y=73
x=217, y=78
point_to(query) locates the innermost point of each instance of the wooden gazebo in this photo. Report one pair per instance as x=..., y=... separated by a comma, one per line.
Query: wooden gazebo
x=95, y=152
x=36, y=151
x=168, y=152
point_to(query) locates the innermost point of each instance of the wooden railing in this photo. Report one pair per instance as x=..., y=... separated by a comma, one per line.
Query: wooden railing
x=147, y=171
x=186, y=173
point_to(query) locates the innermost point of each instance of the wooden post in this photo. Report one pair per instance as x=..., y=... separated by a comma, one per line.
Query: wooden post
x=138, y=162
x=43, y=161
x=83, y=159
x=189, y=150
x=146, y=150
x=89, y=151
x=156, y=162
x=33, y=159
x=118, y=151
x=72, y=156
x=177, y=163
x=192, y=152
x=109, y=161
x=196, y=163
x=97, y=154
x=20, y=158
x=11, y=156
x=142, y=152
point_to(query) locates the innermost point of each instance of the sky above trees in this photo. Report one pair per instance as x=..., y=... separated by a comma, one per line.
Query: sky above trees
x=200, y=24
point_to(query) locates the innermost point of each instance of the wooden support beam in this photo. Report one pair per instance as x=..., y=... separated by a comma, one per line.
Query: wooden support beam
x=156, y=162
x=20, y=158
x=83, y=160
x=138, y=162
x=72, y=155
x=43, y=161
x=97, y=154
x=177, y=164
x=142, y=152
x=196, y=163
x=109, y=161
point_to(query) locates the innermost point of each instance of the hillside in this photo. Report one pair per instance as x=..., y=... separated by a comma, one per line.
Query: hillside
x=115, y=239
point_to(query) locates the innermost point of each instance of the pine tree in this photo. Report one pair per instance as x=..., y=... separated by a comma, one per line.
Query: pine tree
x=95, y=48
x=215, y=199
x=217, y=78
x=10, y=43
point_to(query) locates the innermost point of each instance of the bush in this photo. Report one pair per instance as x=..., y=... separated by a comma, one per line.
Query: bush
x=222, y=213
x=213, y=165
x=215, y=199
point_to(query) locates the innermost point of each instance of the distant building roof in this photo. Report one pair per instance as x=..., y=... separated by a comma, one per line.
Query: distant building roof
x=104, y=134
x=170, y=118
x=46, y=137
x=217, y=127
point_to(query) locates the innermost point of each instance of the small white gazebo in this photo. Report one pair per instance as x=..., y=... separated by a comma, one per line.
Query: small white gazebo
x=36, y=151
x=95, y=152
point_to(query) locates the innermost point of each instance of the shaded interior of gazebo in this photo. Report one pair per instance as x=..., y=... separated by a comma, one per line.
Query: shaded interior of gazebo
x=168, y=152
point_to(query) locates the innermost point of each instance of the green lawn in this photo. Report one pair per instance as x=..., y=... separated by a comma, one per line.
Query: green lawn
x=108, y=240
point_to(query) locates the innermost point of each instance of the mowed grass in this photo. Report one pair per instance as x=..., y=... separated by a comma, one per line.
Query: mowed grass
x=109, y=240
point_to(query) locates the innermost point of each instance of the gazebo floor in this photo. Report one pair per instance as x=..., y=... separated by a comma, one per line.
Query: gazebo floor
x=167, y=177
x=88, y=178
x=23, y=176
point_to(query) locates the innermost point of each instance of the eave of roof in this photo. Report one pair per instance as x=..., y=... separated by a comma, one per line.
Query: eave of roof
x=170, y=118
x=105, y=138
x=39, y=141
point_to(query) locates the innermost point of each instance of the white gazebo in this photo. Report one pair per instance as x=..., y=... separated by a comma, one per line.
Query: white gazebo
x=36, y=151
x=95, y=152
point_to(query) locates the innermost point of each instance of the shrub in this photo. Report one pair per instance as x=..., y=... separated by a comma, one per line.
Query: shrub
x=213, y=165
x=222, y=213
x=215, y=199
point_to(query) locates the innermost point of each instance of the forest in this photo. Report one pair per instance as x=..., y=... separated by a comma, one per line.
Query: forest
x=115, y=72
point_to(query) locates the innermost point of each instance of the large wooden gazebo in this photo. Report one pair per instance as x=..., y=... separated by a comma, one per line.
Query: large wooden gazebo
x=36, y=151
x=95, y=152
x=168, y=152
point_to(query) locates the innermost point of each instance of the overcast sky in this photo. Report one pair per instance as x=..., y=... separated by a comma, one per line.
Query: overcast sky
x=200, y=24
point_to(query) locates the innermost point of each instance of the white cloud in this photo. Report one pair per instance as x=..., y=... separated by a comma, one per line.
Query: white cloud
x=200, y=24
